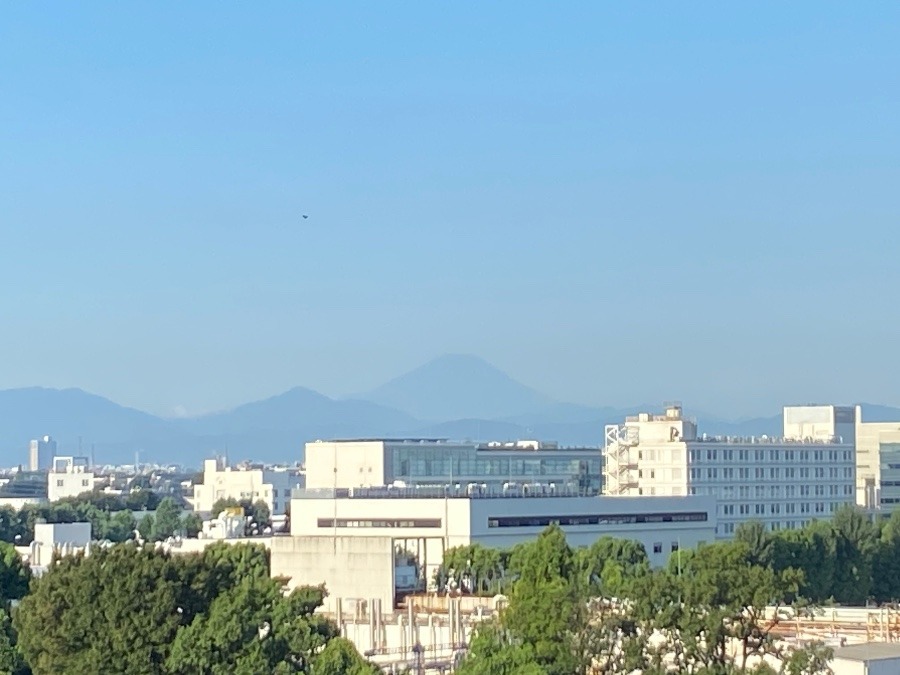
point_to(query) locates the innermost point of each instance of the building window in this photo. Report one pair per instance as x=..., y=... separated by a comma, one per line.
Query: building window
x=657, y=547
x=59, y=483
x=84, y=483
x=597, y=519
x=343, y=522
x=674, y=546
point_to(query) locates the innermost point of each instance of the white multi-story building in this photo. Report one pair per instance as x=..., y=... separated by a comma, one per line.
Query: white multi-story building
x=69, y=477
x=247, y=482
x=783, y=482
x=431, y=462
x=359, y=541
x=877, y=464
x=41, y=452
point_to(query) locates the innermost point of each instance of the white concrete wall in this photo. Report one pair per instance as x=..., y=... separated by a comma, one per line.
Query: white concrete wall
x=18, y=502
x=272, y=487
x=350, y=567
x=462, y=521
x=345, y=464
x=869, y=437
x=62, y=485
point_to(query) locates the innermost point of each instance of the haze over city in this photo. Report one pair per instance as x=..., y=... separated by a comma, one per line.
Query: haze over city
x=508, y=338
x=613, y=204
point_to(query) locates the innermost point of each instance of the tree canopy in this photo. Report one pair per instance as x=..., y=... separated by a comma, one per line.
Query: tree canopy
x=603, y=608
x=132, y=609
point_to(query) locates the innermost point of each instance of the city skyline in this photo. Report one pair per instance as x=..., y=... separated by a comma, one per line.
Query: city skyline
x=611, y=204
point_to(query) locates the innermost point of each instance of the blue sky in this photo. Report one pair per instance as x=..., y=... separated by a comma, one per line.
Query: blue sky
x=616, y=203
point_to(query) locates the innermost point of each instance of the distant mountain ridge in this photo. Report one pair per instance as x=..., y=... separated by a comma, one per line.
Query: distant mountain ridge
x=480, y=403
x=457, y=386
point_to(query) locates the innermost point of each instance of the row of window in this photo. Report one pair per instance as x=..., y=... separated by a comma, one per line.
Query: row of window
x=344, y=522
x=84, y=483
x=774, y=491
x=435, y=463
x=774, y=473
x=599, y=519
x=745, y=455
x=728, y=528
x=658, y=547
x=775, y=509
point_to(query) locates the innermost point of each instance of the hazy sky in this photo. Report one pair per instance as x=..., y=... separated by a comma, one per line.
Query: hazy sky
x=614, y=202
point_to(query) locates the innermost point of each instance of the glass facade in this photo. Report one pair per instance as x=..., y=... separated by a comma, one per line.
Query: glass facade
x=579, y=469
x=890, y=475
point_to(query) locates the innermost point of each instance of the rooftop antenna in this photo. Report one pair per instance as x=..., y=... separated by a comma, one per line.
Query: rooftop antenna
x=137, y=461
x=92, y=455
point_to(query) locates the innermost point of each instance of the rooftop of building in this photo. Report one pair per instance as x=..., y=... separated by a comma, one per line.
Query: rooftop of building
x=386, y=439
x=521, y=445
x=870, y=651
x=455, y=491
x=767, y=440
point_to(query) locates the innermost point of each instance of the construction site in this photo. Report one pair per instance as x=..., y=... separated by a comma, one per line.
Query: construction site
x=430, y=633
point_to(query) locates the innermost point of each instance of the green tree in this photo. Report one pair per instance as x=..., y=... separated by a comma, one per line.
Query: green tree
x=605, y=564
x=341, y=658
x=167, y=520
x=759, y=542
x=12, y=525
x=191, y=524
x=546, y=609
x=494, y=651
x=718, y=599
x=11, y=660
x=254, y=628
x=260, y=513
x=855, y=538
x=146, y=527
x=14, y=576
x=224, y=503
x=115, y=611
x=142, y=499
x=120, y=527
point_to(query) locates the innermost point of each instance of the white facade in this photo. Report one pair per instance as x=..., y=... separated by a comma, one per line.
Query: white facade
x=867, y=659
x=40, y=453
x=377, y=462
x=822, y=423
x=782, y=482
x=50, y=538
x=877, y=464
x=272, y=486
x=662, y=524
x=69, y=477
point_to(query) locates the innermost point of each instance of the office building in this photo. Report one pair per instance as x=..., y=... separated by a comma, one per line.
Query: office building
x=250, y=482
x=877, y=464
x=783, y=482
x=363, y=542
x=69, y=477
x=436, y=462
x=41, y=452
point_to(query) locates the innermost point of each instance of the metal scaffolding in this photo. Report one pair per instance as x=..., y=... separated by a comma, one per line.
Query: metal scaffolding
x=619, y=461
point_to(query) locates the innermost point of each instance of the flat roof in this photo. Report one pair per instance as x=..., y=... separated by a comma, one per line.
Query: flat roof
x=382, y=440
x=870, y=651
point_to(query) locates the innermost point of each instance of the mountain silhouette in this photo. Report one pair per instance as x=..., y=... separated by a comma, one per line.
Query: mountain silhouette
x=458, y=386
x=456, y=396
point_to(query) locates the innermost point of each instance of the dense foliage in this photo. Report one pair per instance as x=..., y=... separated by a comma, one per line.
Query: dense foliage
x=138, y=610
x=604, y=609
x=111, y=517
x=849, y=560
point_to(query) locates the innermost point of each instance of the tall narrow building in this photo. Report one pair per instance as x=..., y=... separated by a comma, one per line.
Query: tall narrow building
x=41, y=452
